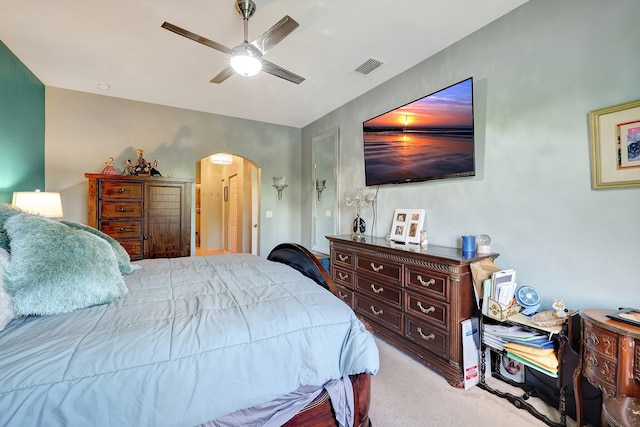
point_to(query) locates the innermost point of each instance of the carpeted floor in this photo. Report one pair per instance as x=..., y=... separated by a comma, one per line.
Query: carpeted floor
x=407, y=393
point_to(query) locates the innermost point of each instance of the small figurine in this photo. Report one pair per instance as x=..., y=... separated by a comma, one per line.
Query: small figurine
x=128, y=168
x=558, y=306
x=142, y=166
x=108, y=167
x=423, y=238
x=154, y=168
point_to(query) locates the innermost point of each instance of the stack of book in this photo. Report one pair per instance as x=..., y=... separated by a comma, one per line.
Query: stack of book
x=531, y=348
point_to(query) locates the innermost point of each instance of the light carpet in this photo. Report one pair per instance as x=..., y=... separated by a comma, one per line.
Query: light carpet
x=407, y=393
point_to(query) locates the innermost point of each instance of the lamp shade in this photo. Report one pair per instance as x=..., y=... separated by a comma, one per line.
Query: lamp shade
x=38, y=202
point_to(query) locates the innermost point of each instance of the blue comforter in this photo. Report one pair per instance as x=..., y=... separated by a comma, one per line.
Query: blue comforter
x=194, y=339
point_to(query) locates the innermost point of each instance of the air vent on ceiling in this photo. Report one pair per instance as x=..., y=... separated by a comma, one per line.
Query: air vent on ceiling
x=368, y=66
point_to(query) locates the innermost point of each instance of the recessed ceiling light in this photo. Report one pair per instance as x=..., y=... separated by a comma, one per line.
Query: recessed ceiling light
x=103, y=86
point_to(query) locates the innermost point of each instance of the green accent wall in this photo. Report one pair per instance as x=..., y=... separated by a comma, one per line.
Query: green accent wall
x=21, y=127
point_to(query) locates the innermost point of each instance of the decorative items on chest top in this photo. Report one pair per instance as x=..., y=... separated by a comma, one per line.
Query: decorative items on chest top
x=415, y=297
x=149, y=216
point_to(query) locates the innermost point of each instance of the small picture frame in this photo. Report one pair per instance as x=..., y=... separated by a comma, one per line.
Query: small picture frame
x=406, y=225
x=626, y=315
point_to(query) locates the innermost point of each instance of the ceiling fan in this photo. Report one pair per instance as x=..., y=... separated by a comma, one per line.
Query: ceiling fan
x=247, y=58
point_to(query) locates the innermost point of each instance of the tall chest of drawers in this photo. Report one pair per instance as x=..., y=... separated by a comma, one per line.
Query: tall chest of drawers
x=149, y=216
x=414, y=297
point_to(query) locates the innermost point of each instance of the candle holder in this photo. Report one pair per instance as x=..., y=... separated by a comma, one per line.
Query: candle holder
x=359, y=199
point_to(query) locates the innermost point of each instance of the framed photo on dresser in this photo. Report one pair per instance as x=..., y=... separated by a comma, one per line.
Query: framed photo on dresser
x=406, y=225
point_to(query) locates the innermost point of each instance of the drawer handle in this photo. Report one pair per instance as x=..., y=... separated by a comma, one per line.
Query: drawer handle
x=427, y=284
x=121, y=228
x=342, y=295
x=121, y=190
x=343, y=258
x=426, y=337
x=425, y=310
x=376, y=269
x=378, y=312
x=377, y=291
x=121, y=209
x=342, y=276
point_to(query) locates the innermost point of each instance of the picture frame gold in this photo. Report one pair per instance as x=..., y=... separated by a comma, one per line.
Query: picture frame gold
x=610, y=131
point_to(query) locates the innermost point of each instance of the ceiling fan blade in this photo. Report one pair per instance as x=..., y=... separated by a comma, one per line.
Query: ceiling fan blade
x=223, y=75
x=273, y=69
x=202, y=40
x=275, y=34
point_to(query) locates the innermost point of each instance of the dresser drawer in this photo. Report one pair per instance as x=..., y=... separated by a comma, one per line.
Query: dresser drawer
x=133, y=248
x=600, y=340
x=600, y=371
x=121, y=210
x=380, y=267
x=120, y=190
x=379, y=313
x=343, y=277
x=343, y=258
x=433, y=284
x=426, y=336
x=345, y=295
x=431, y=310
x=122, y=229
x=380, y=289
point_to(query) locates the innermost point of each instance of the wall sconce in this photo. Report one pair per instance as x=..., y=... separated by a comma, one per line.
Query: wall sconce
x=321, y=184
x=279, y=184
x=39, y=203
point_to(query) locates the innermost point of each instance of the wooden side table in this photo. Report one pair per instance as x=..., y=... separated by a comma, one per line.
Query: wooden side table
x=609, y=358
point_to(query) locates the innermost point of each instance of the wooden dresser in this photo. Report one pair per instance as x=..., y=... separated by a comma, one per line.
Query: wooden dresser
x=414, y=297
x=610, y=356
x=149, y=216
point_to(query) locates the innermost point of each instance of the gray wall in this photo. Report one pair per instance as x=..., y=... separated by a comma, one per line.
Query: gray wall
x=83, y=130
x=537, y=72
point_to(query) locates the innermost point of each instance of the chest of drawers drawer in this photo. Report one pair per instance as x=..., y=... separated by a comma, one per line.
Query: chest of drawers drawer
x=134, y=248
x=114, y=210
x=122, y=229
x=380, y=313
x=431, y=310
x=120, y=190
x=345, y=295
x=426, y=336
x=342, y=258
x=343, y=277
x=600, y=341
x=382, y=268
x=387, y=291
x=600, y=370
x=430, y=283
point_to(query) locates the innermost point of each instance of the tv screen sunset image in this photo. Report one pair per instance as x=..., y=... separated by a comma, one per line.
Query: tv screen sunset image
x=429, y=138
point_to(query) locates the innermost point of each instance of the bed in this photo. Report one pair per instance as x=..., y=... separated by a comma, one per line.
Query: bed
x=196, y=340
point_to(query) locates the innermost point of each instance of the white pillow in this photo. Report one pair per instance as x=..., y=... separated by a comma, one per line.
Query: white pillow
x=7, y=314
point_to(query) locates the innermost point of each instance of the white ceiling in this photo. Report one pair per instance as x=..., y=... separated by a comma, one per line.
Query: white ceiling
x=76, y=45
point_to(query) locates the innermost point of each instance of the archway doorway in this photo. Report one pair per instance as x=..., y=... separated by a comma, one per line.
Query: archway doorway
x=227, y=206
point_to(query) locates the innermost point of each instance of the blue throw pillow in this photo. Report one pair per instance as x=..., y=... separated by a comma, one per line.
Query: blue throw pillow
x=56, y=269
x=6, y=212
x=124, y=261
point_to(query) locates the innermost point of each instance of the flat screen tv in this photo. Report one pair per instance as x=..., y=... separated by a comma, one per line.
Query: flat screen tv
x=429, y=138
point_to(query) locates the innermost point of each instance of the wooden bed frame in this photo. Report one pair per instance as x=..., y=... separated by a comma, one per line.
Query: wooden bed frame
x=319, y=413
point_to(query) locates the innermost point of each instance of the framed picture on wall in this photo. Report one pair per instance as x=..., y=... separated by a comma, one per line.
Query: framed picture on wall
x=406, y=225
x=615, y=146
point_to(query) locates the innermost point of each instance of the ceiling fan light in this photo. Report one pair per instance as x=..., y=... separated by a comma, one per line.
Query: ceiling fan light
x=245, y=60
